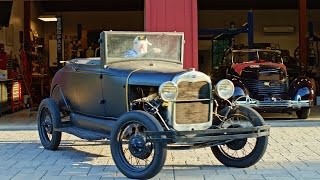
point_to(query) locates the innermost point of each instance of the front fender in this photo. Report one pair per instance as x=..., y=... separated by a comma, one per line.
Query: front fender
x=301, y=89
x=245, y=110
x=60, y=99
x=303, y=94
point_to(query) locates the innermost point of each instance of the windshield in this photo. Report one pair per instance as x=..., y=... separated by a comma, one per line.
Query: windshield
x=256, y=55
x=144, y=46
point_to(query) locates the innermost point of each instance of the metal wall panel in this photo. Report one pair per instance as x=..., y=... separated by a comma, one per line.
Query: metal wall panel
x=177, y=15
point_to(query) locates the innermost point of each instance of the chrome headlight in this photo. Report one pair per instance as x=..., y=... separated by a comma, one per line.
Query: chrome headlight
x=224, y=89
x=168, y=91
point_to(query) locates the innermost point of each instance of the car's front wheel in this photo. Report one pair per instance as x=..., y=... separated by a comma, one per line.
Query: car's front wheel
x=48, y=119
x=241, y=152
x=134, y=156
x=303, y=113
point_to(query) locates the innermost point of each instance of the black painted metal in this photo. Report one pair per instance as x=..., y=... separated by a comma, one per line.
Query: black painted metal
x=207, y=136
x=83, y=133
x=102, y=125
x=84, y=89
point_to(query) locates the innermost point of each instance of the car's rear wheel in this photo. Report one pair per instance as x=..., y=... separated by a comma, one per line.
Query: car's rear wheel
x=241, y=152
x=303, y=113
x=134, y=156
x=48, y=119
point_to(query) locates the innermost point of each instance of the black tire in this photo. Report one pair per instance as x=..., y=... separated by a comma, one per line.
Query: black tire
x=48, y=119
x=303, y=113
x=259, y=148
x=123, y=130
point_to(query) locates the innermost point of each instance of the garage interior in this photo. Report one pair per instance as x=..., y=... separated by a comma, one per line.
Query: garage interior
x=29, y=46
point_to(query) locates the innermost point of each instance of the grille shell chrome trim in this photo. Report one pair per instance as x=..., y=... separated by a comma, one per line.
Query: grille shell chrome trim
x=192, y=77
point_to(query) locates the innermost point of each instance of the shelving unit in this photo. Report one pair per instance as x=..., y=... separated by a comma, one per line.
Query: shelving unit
x=11, y=98
x=36, y=78
x=5, y=104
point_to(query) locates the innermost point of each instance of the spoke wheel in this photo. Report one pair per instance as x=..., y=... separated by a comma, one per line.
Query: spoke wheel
x=241, y=152
x=46, y=125
x=136, y=151
x=48, y=118
x=134, y=156
x=239, y=148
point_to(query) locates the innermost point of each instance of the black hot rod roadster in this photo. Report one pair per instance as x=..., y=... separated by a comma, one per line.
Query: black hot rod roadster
x=139, y=97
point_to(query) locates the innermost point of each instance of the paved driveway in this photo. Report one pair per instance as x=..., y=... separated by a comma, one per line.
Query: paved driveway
x=293, y=153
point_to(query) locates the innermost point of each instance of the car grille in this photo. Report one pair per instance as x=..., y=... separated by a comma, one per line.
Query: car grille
x=267, y=88
x=269, y=76
x=193, y=104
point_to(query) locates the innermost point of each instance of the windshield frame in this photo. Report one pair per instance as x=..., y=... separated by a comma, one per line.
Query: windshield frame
x=233, y=51
x=110, y=60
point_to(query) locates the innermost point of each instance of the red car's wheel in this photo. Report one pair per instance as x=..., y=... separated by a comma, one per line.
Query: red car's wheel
x=303, y=113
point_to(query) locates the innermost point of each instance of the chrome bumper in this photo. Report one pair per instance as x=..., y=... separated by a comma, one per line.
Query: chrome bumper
x=278, y=103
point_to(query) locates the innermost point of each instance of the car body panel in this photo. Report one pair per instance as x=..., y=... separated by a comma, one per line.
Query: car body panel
x=87, y=83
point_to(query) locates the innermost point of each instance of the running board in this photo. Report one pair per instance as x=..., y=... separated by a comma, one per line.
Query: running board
x=83, y=133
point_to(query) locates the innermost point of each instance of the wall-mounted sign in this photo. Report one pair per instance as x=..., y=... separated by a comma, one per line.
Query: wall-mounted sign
x=59, y=40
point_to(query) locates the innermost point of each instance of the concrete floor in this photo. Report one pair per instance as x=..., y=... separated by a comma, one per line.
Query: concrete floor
x=292, y=154
x=314, y=115
x=22, y=120
x=19, y=120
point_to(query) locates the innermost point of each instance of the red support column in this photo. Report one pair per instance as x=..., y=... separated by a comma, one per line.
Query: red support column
x=303, y=34
x=179, y=16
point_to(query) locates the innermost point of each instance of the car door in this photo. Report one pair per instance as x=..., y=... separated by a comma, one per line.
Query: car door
x=87, y=79
x=114, y=92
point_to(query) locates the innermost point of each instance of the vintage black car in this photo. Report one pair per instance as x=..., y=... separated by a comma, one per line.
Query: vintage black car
x=261, y=81
x=144, y=102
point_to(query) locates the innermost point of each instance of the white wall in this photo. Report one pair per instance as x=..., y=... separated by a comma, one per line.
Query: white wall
x=222, y=19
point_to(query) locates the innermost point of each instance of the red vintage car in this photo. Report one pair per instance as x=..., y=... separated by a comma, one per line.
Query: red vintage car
x=261, y=81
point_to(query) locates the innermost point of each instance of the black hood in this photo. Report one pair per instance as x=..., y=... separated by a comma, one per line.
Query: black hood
x=146, y=72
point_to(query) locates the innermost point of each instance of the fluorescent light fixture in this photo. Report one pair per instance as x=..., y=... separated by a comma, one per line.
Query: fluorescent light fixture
x=47, y=18
x=279, y=29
